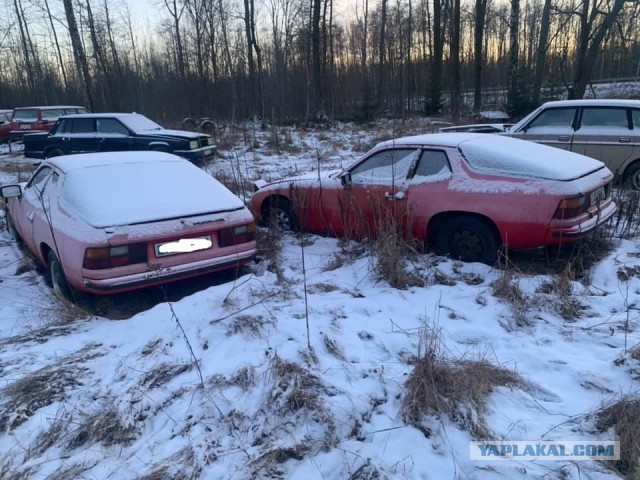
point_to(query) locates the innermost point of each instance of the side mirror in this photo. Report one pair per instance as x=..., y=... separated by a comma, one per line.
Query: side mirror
x=345, y=178
x=10, y=191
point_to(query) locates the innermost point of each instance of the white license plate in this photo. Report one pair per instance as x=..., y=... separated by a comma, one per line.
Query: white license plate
x=184, y=245
x=24, y=126
x=597, y=196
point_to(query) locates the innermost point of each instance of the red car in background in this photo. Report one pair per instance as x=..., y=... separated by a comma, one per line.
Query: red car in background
x=466, y=193
x=39, y=119
x=5, y=125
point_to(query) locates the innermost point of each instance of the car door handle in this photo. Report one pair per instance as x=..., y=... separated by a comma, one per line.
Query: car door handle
x=30, y=216
x=396, y=196
x=563, y=138
x=624, y=140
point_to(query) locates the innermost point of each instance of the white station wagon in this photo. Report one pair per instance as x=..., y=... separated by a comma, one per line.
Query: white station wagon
x=607, y=130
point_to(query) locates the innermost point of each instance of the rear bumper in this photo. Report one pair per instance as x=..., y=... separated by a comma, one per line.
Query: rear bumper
x=167, y=274
x=561, y=231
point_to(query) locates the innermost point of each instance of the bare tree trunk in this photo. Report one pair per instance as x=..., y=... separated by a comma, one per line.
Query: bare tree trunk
x=381, y=52
x=435, y=97
x=31, y=75
x=78, y=53
x=478, y=60
x=590, y=44
x=455, y=60
x=541, y=51
x=316, y=70
x=176, y=14
x=63, y=71
x=514, y=31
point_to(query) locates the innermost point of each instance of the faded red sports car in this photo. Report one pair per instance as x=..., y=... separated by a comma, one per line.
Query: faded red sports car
x=468, y=194
x=111, y=222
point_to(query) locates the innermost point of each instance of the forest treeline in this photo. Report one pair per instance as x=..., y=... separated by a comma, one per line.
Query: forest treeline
x=312, y=59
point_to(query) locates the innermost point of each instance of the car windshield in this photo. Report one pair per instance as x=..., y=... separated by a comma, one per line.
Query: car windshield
x=139, y=123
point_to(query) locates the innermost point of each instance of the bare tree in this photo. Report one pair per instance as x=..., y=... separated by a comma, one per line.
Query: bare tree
x=78, y=53
x=478, y=36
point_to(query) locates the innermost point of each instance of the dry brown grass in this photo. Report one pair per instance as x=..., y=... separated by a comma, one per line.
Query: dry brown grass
x=627, y=219
x=507, y=287
x=105, y=426
x=249, y=325
x=163, y=374
x=458, y=388
x=624, y=418
x=182, y=465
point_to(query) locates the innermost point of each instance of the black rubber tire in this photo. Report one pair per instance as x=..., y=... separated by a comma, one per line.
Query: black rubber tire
x=281, y=217
x=189, y=123
x=469, y=239
x=632, y=176
x=11, y=228
x=58, y=279
x=54, y=152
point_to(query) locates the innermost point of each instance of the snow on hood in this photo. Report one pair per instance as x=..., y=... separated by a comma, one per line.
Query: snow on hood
x=499, y=154
x=307, y=177
x=172, y=133
x=140, y=192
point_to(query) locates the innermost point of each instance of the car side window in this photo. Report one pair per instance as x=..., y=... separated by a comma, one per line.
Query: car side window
x=52, y=114
x=385, y=167
x=635, y=117
x=604, y=117
x=432, y=163
x=35, y=186
x=554, y=117
x=111, y=126
x=82, y=125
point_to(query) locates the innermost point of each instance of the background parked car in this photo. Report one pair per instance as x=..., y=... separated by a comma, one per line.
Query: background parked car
x=39, y=119
x=108, y=132
x=608, y=130
x=5, y=125
x=112, y=222
x=467, y=193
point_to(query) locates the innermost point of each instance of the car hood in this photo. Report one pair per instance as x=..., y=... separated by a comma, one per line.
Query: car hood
x=307, y=178
x=172, y=134
x=137, y=193
x=498, y=154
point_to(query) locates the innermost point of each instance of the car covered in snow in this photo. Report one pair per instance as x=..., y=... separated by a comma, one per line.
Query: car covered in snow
x=466, y=193
x=112, y=222
x=605, y=129
x=112, y=132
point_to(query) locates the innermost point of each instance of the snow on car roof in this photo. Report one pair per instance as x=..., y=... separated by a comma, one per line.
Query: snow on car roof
x=594, y=102
x=48, y=107
x=498, y=154
x=126, y=188
x=101, y=115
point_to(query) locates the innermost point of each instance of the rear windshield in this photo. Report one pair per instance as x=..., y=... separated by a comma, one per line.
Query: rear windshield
x=26, y=115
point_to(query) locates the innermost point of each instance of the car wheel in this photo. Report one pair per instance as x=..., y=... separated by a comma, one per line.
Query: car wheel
x=632, y=176
x=189, y=123
x=468, y=239
x=58, y=279
x=54, y=152
x=281, y=217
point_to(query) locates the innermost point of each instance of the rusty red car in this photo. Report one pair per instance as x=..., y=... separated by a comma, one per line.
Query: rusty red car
x=117, y=221
x=467, y=194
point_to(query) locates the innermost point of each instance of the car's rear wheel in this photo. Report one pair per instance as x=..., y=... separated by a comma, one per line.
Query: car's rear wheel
x=469, y=239
x=281, y=217
x=632, y=176
x=58, y=279
x=54, y=152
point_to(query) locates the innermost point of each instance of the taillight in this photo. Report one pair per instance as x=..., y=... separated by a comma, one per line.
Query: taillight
x=111, y=257
x=571, y=207
x=235, y=235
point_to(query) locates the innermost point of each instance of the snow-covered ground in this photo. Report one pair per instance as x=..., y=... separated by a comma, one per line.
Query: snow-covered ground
x=300, y=371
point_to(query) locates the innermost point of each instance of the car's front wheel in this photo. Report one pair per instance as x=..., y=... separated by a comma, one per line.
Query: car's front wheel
x=58, y=279
x=469, y=239
x=54, y=152
x=280, y=216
